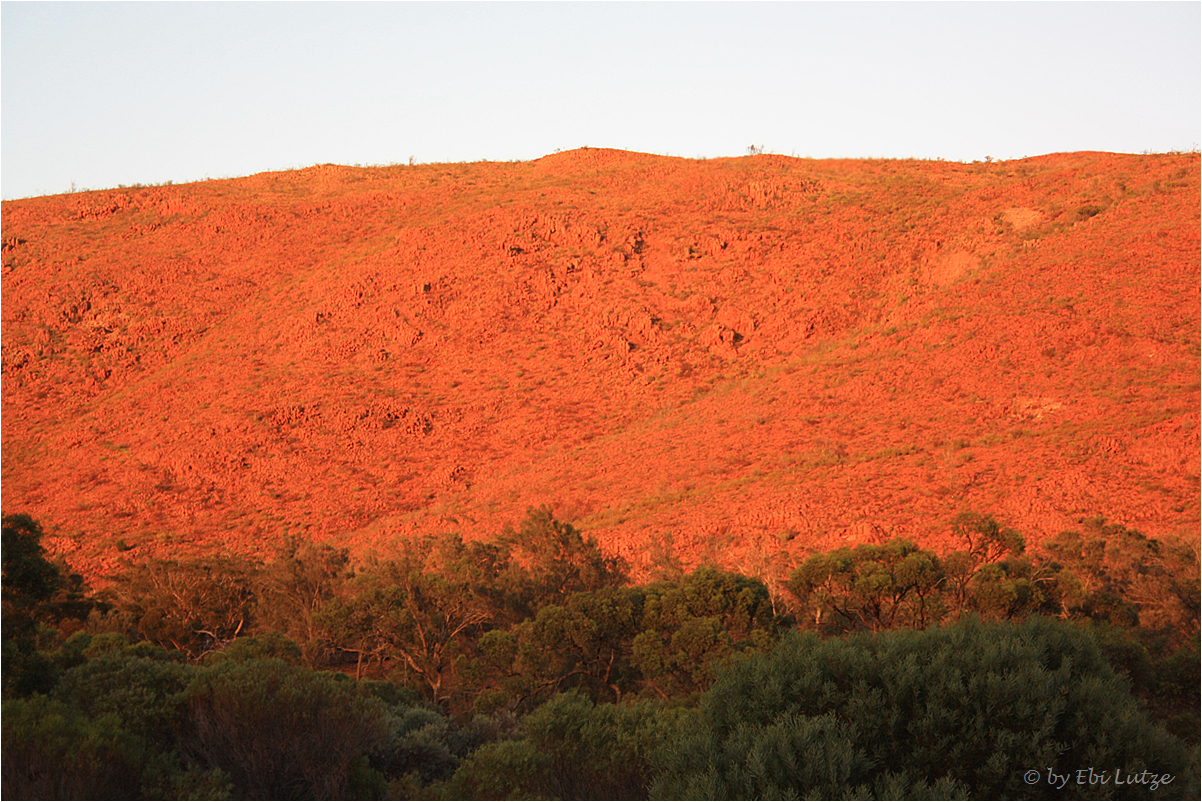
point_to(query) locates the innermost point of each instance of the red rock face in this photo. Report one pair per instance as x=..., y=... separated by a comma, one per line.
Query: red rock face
x=756, y=357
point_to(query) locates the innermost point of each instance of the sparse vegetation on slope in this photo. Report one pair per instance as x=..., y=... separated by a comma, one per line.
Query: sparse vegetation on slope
x=724, y=350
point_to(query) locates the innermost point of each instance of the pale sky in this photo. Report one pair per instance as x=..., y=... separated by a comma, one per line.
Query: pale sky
x=100, y=94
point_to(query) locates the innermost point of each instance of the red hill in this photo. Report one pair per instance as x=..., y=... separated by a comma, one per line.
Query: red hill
x=759, y=357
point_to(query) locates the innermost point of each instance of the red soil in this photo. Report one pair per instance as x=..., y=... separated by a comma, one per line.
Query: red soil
x=760, y=357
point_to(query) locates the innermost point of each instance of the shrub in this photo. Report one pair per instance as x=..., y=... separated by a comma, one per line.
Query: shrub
x=53, y=751
x=280, y=731
x=258, y=647
x=968, y=707
x=572, y=748
x=145, y=695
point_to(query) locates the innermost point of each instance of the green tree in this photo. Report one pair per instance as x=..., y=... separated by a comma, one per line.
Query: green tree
x=29, y=579
x=195, y=606
x=35, y=595
x=668, y=636
x=419, y=607
x=985, y=542
x=1173, y=683
x=873, y=586
x=558, y=560
x=584, y=643
x=1005, y=589
x=424, y=747
x=142, y=688
x=258, y=647
x=145, y=694
x=1106, y=571
x=687, y=628
x=293, y=587
x=985, y=538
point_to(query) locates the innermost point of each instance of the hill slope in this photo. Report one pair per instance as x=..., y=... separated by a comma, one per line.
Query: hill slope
x=758, y=357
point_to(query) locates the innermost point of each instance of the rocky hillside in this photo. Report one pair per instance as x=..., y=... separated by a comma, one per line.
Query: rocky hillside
x=736, y=360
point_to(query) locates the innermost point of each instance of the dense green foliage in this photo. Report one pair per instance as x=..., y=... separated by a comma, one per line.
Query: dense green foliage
x=530, y=667
x=1108, y=574
x=55, y=751
x=37, y=596
x=280, y=731
x=571, y=748
x=967, y=708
